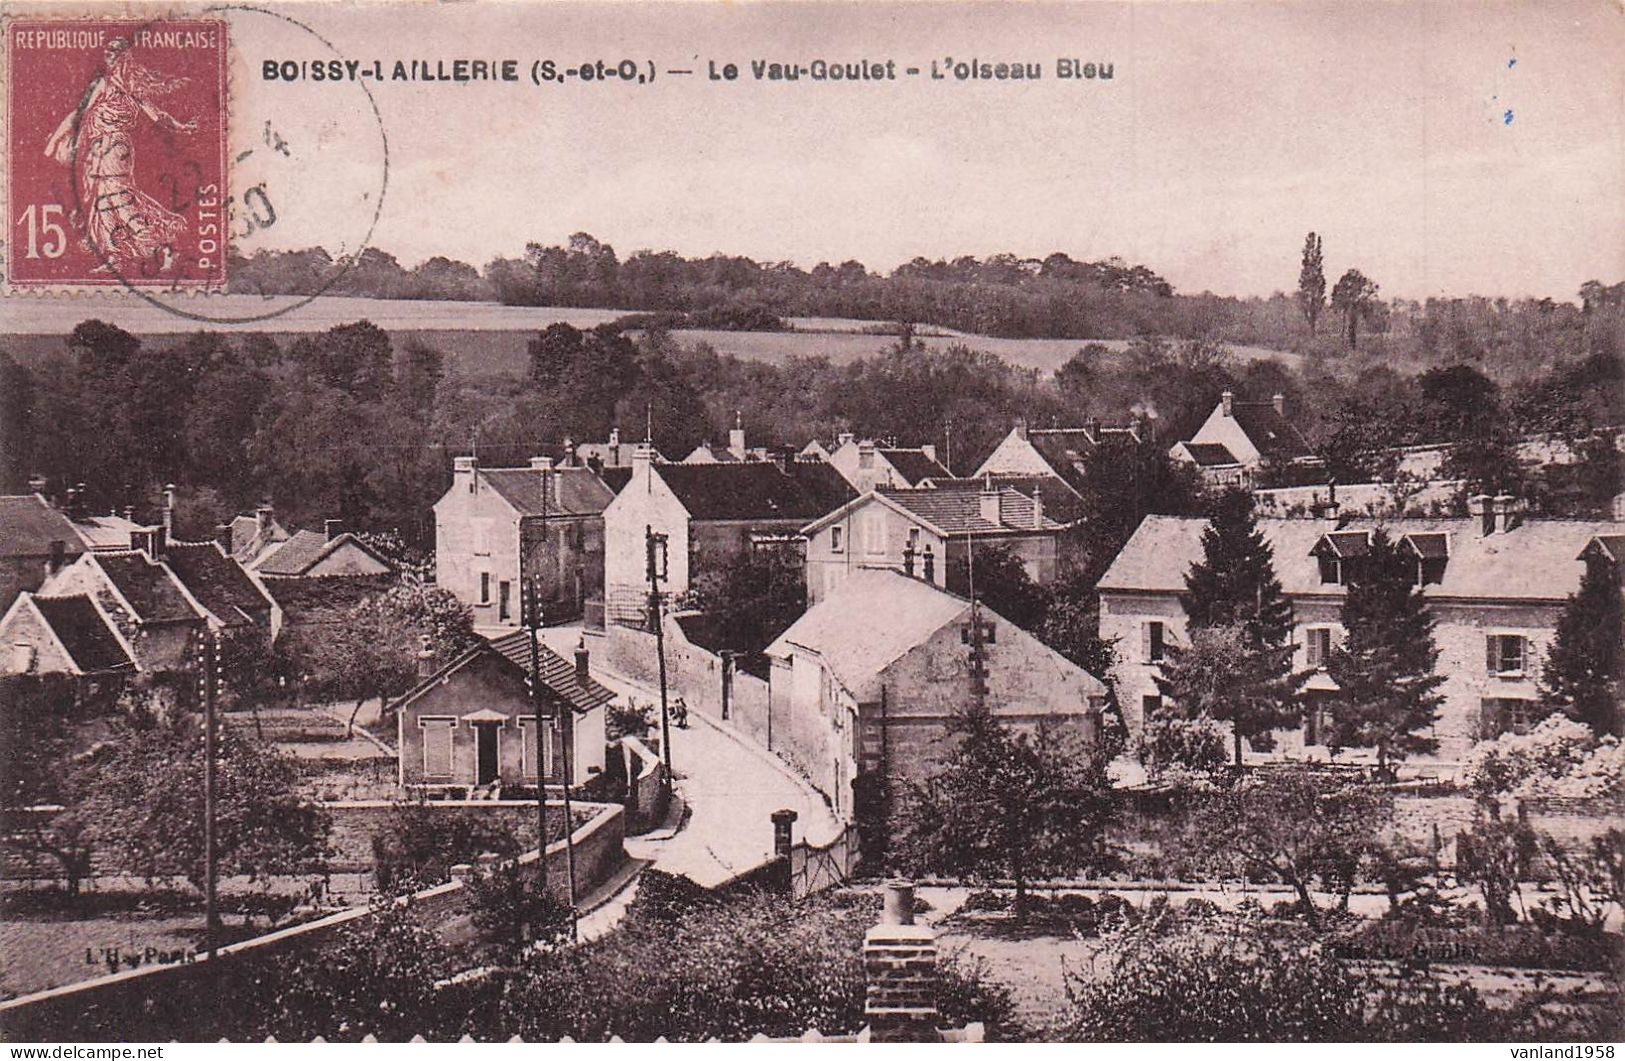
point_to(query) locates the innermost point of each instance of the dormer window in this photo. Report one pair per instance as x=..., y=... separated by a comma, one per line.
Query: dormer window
x=1335, y=551
x=1331, y=571
x=1431, y=553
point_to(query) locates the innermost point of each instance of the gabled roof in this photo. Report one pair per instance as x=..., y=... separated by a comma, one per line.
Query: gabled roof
x=1061, y=502
x=868, y=622
x=1535, y=561
x=1210, y=454
x=28, y=526
x=1611, y=546
x=329, y=596
x=216, y=581
x=1270, y=431
x=110, y=533
x=247, y=541
x=1428, y=546
x=957, y=512
x=558, y=673
x=151, y=589
x=571, y=491
x=913, y=464
x=755, y=490
x=1343, y=544
x=304, y=550
x=83, y=633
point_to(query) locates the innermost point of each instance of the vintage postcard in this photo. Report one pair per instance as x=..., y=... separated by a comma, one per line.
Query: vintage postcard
x=1092, y=521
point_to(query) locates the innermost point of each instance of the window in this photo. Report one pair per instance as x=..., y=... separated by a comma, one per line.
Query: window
x=485, y=587
x=1501, y=714
x=482, y=537
x=1506, y=654
x=1153, y=640
x=914, y=539
x=1317, y=645
x=1331, y=571
x=1430, y=570
x=837, y=539
x=1150, y=706
x=437, y=746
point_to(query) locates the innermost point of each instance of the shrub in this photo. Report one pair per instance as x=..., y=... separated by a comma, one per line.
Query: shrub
x=1533, y=763
x=1495, y=856
x=1180, y=746
x=418, y=846
x=1198, y=908
x=630, y=719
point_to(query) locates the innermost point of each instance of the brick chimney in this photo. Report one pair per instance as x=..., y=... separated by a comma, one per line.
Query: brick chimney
x=1482, y=508
x=149, y=540
x=541, y=464
x=168, y=516
x=264, y=517
x=581, y=659
x=37, y=484
x=426, y=667
x=332, y=528
x=1507, y=512
x=929, y=559
x=1091, y=427
x=989, y=499
x=843, y=439
x=736, y=437
x=1038, y=508
x=1021, y=430
x=900, y=967
x=1227, y=401
x=1279, y=401
x=643, y=455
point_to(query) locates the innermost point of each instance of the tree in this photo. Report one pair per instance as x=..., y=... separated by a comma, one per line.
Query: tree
x=1584, y=672
x=1238, y=666
x=1127, y=482
x=1008, y=805
x=143, y=796
x=1356, y=298
x=1071, y=624
x=36, y=768
x=1292, y=825
x=751, y=601
x=1388, y=694
x=1002, y=583
x=1311, y=281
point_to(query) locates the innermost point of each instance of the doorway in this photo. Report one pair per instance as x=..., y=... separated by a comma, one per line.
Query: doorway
x=486, y=769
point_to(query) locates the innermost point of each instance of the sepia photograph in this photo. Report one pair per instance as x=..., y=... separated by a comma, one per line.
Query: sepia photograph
x=812, y=521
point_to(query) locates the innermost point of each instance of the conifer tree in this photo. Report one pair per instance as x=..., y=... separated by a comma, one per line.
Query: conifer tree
x=1584, y=673
x=1238, y=666
x=1385, y=668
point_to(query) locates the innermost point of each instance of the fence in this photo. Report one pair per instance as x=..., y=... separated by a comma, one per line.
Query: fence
x=814, y=868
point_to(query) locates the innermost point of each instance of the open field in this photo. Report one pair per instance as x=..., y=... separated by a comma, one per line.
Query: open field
x=487, y=339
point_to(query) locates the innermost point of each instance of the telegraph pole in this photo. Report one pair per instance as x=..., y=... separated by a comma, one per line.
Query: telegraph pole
x=655, y=547
x=568, y=736
x=209, y=665
x=533, y=620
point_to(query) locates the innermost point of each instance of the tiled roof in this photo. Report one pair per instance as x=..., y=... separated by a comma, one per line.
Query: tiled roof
x=303, y=551
x=1209, y=454
x=801, y=490
x=84, y=633
x=106, y=532
x=868, y=622
x=303, y=598
x=1613, y=545
x=615, y=478
x=1061, y=502
x=573, y=491
x=1271, y=432
x=913, y=464
x=1535, y=561
x=1344, y=543
x=1064, y=449
x=959, y=512
x=28, y=526
x=1429, y=546
x=218, y=582
x=150, y=588
x=246, y=540
x=558, y=673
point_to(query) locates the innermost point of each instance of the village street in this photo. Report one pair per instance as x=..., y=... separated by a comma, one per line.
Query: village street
x=729, y=786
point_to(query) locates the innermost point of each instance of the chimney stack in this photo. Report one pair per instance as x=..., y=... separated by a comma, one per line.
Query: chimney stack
x=643, y=455
x=426, y=667
x=169, y=510
x=150, y=541
x=332, y=528
x=1091, y=427
x=1021, y=430
x=1506, y=512
x=736, y=437
x=36, y=484
x=989, y=499
x=930, y=562
x=900, y=967
x=843, y=439
x=1227, y=401
x=222, y=537
x=463, y=469
x=1038, y=508
x=264, y=517
x=542, y=464
x=1279, y=402
x=581, y=659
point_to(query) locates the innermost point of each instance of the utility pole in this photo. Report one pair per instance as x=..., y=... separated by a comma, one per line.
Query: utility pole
x=533, y=621
x=567, y=737
x=655, y=550
x=209, y=669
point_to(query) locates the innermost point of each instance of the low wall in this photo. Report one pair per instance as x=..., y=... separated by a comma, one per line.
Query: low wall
x=139, y=1005
x=355, y=824
x=1572, y=820
x=646, y=792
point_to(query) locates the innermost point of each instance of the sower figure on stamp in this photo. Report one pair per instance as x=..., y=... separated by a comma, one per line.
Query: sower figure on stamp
x=122, y=224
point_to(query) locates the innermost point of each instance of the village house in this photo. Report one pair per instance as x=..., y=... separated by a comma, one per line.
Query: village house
x=1240, y=437
x=36, y=541
x=867, y=464
x=1495, y=585
x=867, y=681
x=62, y=635
x=710, y=515
x=1054, y=460
x=471, y=724
x=248, y=536
x=736, y=450
x=330, y=552
x=497, y=527
x=601, y=456
x=932, y=533
x=160, y=596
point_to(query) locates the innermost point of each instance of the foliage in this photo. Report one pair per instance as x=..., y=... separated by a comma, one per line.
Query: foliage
x=1542, y=761
x=1584, y=671
x=1176, y=748
x=752, y=600
x=510, y=911
x=630, y=719
x=1495, y=856
x=418, y=845
x=1127, y=483
x=1312, y=281
x=1385, y=668
x=1292, y=825
x=1421, y=941
x=37, y=749
x=1008, y=804
x=1591, y=876
x=1071, y=624
x=1356, y=298
x=1001, y=583
x=142, y=795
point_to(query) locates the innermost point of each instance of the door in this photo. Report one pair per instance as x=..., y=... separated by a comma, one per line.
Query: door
x=504, y=598
x=487, y=768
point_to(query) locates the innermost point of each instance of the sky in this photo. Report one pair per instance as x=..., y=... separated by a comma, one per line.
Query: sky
x=1442, y=148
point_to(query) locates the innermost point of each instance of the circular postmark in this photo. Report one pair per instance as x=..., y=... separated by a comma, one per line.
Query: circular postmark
x=306, y=169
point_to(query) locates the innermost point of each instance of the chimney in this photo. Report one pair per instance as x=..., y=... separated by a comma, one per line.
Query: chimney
x=900, y=970
x=542, y=464
x=1507, y=511
x=56, y=557
x=332, y=528
x=463, y=469
x=1038, y=508
x=736, y=438
x=989, y=499
x=169, y=509
x=930, y=451
x=129, y=513
x=1482, y=508
x=843, y=439
x=222, y=537
x=643, y=455
x=1021, y=430
x=264, y=516
x=908, y=560
x=149, y=540
x=426, y=667
x=1091, y=427
x=1279, y=401
x=1228, y=401
x=36, y=484
x=581, y=659
x=930, y=561
x=76, y=501
x=568, y=458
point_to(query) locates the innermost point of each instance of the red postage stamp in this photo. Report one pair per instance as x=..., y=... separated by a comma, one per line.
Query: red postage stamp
x=116, y=153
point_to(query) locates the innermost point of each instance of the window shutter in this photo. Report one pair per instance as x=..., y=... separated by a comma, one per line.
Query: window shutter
x=1491, y=663
x=1313, y=641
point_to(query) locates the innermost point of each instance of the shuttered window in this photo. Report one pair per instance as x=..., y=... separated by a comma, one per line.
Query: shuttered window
x=1152, y=641
x=1317, y=645
x=1506, y=654
x=436, y=746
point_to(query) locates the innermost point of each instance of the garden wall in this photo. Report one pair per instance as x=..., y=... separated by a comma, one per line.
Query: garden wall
x=693, y=673
x=135, y=1005
x=646, y=792
x=1573, y=820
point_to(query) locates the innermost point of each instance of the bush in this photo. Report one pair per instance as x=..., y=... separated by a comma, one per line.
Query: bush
x=1559, y=757
x=1198, y=908
x=418, y=846
x=1179, y=746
